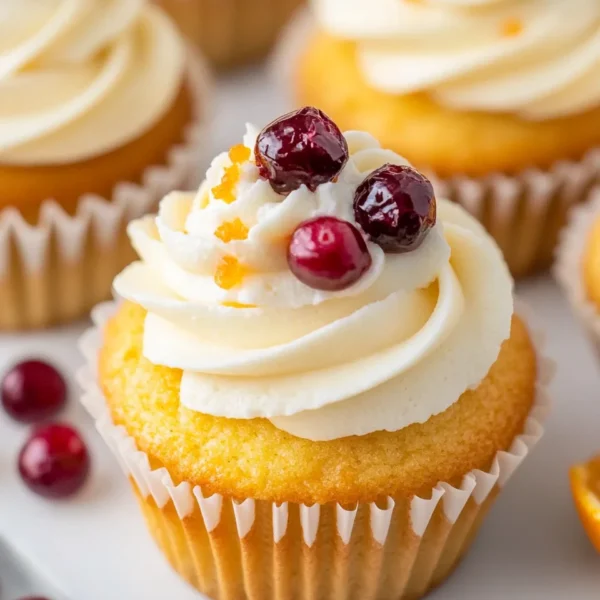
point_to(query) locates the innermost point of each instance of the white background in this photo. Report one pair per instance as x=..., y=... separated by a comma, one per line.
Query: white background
x=532, y=546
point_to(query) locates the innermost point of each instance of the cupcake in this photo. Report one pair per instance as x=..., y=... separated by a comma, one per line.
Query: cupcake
x=100, y=116
x=232, y=32
x=496, y=100
x=317, y=383
x=577, y=267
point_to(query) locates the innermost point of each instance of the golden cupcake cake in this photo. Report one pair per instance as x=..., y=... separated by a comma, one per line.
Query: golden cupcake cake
x=317, y=384
x=577, y=267
x=497, y=100
x=100, y=116
x=231, y=33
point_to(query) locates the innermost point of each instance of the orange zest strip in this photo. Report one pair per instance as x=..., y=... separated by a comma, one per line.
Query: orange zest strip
x=230, y=272
x=231, y=230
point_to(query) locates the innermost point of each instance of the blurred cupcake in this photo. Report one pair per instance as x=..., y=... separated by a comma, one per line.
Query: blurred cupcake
x=232, y=32
x=498, y=100
x=100, y=116
x=300, y=339
x=577, y=266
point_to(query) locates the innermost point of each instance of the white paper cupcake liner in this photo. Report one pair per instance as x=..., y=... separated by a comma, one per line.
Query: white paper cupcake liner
x=442, y=523
x=568, y=269
x=59, y=268
x=523, y=212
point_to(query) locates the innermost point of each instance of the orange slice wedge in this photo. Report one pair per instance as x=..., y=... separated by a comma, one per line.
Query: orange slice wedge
x=585, y=485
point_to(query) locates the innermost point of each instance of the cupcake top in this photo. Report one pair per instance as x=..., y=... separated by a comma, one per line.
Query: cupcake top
x=539, y=59
x=314, y=280
x=79, y=78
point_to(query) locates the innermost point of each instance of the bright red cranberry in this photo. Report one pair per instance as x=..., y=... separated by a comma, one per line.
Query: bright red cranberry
x=33, y=390
x=328, y=254
x=54, y=462
x=395, y=206
x=304, y=147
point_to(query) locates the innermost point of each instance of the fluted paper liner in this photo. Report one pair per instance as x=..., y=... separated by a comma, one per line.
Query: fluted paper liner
x=232, y=32
x=523, y=212
x=398, y=548
x=59, y=268
x=568, y=269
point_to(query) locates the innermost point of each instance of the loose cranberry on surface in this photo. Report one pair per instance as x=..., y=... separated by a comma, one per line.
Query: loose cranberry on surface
x=54, y=461
x=395, y=206
x=328, y=254
x=33, y=390
x=34, y=598
x=304, y=147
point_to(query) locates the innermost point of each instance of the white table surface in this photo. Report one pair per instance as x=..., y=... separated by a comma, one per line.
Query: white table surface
x=531, y=547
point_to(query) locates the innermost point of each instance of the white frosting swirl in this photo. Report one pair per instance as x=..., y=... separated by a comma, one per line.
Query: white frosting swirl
x=79, y=78
x=537, y=58
x=399, y=346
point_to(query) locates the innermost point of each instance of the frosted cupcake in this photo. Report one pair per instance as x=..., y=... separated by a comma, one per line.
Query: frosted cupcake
x=498, y=100
x=577, y=266
x=300, y=339
x=232, y=32
x=100, y=114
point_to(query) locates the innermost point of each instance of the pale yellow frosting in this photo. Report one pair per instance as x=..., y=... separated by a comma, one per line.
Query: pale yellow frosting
x=537, y=58
x=79, y=78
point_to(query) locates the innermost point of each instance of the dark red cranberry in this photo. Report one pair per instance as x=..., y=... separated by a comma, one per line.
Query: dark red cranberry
x=328, y=254
x=304, y=147
x=34, y=598
x=33, y=390
x=395, y=206
x=54, y=462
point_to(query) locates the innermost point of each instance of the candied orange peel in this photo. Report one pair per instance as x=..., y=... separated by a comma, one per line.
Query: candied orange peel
x=239, y=154
x=232, y=230
x=225, y=191
x=230, y=272
x=585, y=486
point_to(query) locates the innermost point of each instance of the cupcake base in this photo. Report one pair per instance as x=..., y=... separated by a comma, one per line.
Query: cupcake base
x=56, y=269
x=221, y=565
x=396, y=548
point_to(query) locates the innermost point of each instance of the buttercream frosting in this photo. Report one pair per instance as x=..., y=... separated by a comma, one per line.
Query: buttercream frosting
x=79, y=78
x=397, y=347
x=536, y=58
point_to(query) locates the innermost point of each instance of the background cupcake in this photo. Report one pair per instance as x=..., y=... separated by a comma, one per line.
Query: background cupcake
x=499, y=101
x=577, y=266
x=232, y=32
x=281, y=423
x=100, y=114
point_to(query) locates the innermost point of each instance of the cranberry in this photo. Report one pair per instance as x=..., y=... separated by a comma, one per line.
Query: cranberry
x=304, y=147
x=328, y=254
x=395, y=206
x=33, y=390
x=54, y=462
x=34, y=598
